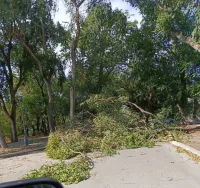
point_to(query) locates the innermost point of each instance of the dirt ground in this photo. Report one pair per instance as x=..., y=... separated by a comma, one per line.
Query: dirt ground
x=194, y=140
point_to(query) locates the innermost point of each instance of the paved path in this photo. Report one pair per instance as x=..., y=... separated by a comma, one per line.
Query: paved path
x=15, y=168
x=159, y=167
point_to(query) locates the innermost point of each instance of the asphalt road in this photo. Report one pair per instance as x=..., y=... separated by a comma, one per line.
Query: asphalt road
x=159, y=167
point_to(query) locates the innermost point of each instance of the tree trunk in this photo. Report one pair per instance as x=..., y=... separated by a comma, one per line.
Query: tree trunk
x=72, y=106
x=187, y=40
x=44, y=128
x=38, y=124
x=73, y=56
x=72, y=89
x=184, y=90
x=13, y=131
x=47, y=127
x=50, y=107
x=195, y=108
x=13, y=126
x=11, y=116
x=183, y=118
x=3, y=143
x=34, y=132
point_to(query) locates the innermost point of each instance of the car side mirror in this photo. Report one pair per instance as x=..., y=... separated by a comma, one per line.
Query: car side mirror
x=33, y=183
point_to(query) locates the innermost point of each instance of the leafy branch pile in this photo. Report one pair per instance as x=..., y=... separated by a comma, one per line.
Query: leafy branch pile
x=66, y=145
x=74, y=172
x=112, y=128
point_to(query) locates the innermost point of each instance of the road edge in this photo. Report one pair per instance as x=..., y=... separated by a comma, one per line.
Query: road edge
x=19, y=153
x=188, y=148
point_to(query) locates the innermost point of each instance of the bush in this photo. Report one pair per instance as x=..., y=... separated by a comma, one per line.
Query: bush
x=66, y=145
x=69, y=174
x=107, y=136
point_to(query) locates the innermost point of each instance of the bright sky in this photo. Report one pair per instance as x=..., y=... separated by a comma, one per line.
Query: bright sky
x=61, y=15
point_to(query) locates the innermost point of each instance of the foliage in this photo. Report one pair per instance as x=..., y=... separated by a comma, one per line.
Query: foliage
x=71, y=173
x=103, y=47
x=154, y=65
x=178, y=135
x=66, y=145
x=107, y=133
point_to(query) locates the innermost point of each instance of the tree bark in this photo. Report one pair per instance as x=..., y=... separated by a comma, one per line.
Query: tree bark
x=72, y=106
x=3, y=143
x=8, y=71
x=38, y=124
x=11, y=116
x=183, y=90
x=13, y=130
x=183, y=117
x=195, y=108
x=34, y=132
x=73, y=57
x=50, y=106
x=13, y=126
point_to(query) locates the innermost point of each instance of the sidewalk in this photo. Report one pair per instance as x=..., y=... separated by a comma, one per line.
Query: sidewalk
x=16, y=149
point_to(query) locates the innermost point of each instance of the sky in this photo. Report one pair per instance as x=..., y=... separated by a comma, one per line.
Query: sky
x=61, y=15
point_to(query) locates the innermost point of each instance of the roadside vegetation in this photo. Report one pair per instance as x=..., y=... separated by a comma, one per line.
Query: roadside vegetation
x=191, y=155
x=100, y=81
x=106, y=131
x=71, y=173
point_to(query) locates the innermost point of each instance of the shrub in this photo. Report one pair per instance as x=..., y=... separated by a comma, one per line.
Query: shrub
x=66, y=145
x=69, y=174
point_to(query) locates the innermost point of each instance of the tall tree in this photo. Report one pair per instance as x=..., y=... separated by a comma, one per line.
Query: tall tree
x=179, y=18
x=40, y=36
x=103, y=47
x=2, y=83
x=12, y=59
x=75, y=4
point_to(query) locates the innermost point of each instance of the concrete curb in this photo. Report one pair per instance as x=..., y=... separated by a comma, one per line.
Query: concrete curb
x=188, y=148
x=15, y=154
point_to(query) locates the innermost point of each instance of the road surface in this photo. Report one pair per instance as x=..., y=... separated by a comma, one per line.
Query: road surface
x=158, y=167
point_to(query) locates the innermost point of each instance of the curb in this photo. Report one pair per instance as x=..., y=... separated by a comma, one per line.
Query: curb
x=188, y=148
x=15, y=154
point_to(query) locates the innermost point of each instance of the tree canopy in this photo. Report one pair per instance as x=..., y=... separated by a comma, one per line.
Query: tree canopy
x=153, y=67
